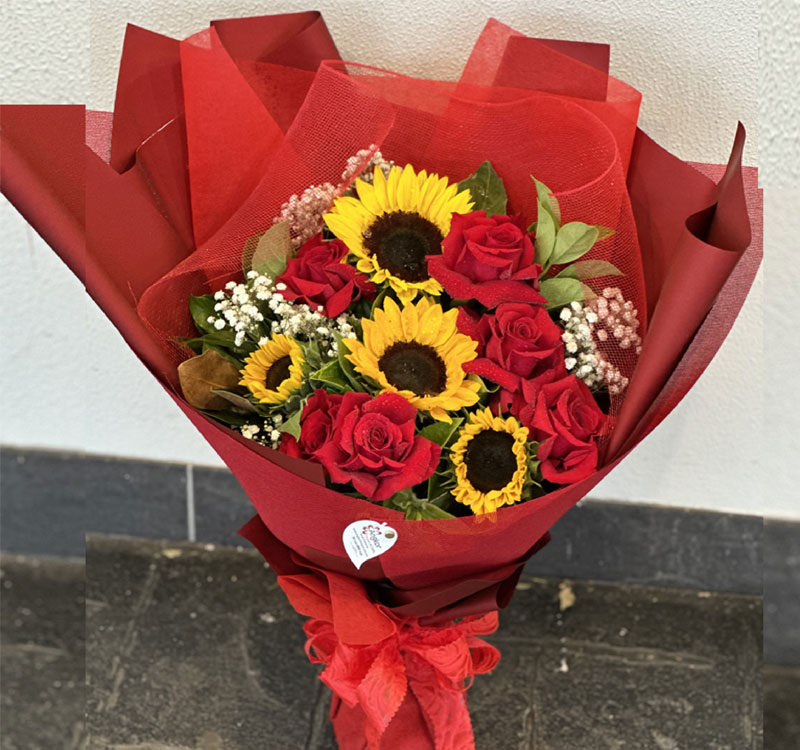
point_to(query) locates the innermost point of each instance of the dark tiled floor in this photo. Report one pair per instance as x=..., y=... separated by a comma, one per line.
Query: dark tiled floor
x=190, y=648
x=782, y=594
x=781, y=708
x=42, y=654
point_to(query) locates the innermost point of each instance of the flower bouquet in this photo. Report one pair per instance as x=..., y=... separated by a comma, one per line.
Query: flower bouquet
x=419, y=320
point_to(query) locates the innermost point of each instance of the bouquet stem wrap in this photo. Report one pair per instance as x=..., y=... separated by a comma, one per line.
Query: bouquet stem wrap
x=209, y=138
x=430, y=666
x=399, y=663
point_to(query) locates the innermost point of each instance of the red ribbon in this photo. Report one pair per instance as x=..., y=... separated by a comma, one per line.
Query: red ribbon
x=437, y=664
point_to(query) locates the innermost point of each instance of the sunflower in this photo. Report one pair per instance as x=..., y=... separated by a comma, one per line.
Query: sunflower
x=491, y=462
x=274, y=371
x=417, y=352
x=395, y=223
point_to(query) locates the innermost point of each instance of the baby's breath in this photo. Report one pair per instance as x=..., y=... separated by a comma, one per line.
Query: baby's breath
x=356, y=166
x=587, y=323
x=256, y=310
x=303, y=211
x=266, y=432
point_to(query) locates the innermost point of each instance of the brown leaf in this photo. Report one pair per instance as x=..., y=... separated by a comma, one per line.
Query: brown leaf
x=240, y=402
x=268, y=251
x=199, y=375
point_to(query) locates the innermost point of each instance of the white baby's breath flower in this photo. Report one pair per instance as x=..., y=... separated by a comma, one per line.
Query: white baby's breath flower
x=596, y=321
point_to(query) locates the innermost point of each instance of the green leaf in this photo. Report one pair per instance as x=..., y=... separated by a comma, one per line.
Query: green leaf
x=292, y=425
x=487, y=190
x=377, y=303
x=219, y=340
x=201, y=309
x=312, y=355
x=331, y=374
x=548, y=200
x=589, y=269
x=228, y=417
x=347, y=366
x=439, y=488
x=441, y=432
x=487, y=387
x=560, y=292
x=269, y=252
x=414, y=508
x=545, y=239
x=426, y=511
x=572, y=241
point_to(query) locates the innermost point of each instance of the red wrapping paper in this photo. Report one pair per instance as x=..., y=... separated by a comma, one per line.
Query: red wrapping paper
x=211, y=134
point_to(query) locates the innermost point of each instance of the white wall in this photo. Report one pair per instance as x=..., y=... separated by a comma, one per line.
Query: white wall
x=68, y=382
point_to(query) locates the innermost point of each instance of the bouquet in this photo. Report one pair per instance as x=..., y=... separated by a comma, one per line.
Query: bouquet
x=419, y=320
x=426, y=354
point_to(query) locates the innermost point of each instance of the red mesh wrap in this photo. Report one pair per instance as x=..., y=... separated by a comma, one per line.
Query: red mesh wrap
x=212, y=134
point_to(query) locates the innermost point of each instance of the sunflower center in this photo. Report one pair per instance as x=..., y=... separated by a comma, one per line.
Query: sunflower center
x=414, y=367
x=277, y=373
x=400, y=240
x=490, y=460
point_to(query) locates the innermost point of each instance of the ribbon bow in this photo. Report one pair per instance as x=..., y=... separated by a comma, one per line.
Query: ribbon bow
x=437, y=664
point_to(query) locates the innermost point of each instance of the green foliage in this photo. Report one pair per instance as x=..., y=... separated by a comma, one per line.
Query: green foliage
x=233, y=419
x=201, y=309
x=561, y=291
x=441, y=433
x=224, y=343
x=347, y=368
x=573, y=241
x=312, y=355
x=331, y=376
x=292, y=424
x=487, y=190
x=589, y=269
x=548, y=201
x=440, y=485
x=559, y=245
x=545, y=239
x=377, y=303
x=414, y=508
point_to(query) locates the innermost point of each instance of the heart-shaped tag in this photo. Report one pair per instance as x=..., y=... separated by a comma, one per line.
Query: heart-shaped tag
x=364, y=540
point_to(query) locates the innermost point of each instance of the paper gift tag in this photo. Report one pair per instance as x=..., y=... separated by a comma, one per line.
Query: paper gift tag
x=364, y=540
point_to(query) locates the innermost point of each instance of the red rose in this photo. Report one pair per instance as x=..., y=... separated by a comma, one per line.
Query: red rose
x=566, y=421
x=488, y=258
x=318, y=276
x=289, y=446
x=518, y=342
x=316, y=423
x=374, y=445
